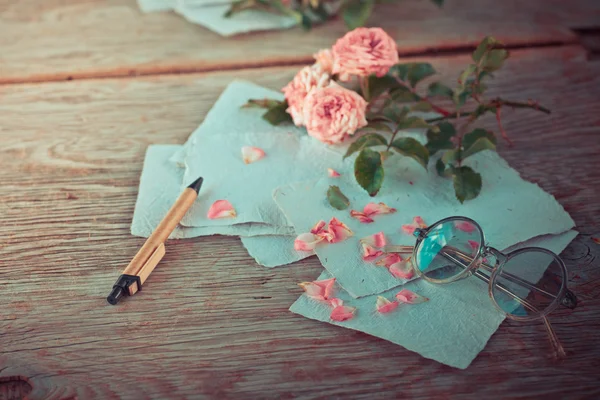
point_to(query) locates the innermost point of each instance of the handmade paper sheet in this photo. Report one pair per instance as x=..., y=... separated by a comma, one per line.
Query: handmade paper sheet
x=160, y=185
x=451, y=328
x=211, y=15
x=509, y=209
x=269, y=245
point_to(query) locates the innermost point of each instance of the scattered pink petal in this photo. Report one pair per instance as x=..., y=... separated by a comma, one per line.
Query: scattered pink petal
x=361, y=217
x=337, y=231
x=370, y=253
x=474, y=245
x=342, y=313
x=402, y=269
x=252, y=154
x=332, y=173
x=307, y=242
x=417, y=223
x=335, y=302
x=376, y=209
x=375, y=240
x=406, y=296
x=465, y=226
x=221, y=209
x=319, y=290
x=388, y=260
x=384, y=305
x=596, y=239
x=319, y=228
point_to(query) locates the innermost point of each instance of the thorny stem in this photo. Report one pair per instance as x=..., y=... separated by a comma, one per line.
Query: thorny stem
x=437, y=108
x=392, y=139
x=495, y=103
x=502, y=131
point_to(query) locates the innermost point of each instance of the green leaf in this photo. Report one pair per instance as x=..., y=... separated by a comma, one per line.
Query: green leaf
x=494, y=59
x=486, y=44
x=356, y=12
x=438, y=89
x=438, y=3
x=440, y=167
x=462, y=79
x=418, y=72
x=449, y=156
x=410, y=147
x=421, y=106
x=440, y=139
x=412, y=72
x=262, y=103
x=460, y=96
x=385, y=154
x=306, y=22
x=467, y=183
x=479, y=145
x=278, y=115
x=377, y=126
x=475, y=134
x=403, y=94
x=379, y=85
x=414, y=123
x=337, y=199
x=370, y=140
x=368, y=171
x=395, y=113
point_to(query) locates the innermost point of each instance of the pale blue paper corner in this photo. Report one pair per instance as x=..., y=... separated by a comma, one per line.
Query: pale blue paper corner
x=451, y=328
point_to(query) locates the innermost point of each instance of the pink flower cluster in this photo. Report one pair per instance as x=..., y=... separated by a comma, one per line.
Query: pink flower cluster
x=329, y=111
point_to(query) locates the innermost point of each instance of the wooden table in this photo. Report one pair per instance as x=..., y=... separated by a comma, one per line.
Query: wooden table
x=212, y=323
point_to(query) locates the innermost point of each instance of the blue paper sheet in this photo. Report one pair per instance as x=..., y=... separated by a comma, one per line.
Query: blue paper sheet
x=451, y=328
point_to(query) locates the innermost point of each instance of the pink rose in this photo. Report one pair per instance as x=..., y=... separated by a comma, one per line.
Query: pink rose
x=333, y=113
x=307, y=79
x=324, y=59
x=364, y=51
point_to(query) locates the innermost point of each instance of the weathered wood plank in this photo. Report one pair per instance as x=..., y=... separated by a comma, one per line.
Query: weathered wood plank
x=211, y=323
x=58, y=40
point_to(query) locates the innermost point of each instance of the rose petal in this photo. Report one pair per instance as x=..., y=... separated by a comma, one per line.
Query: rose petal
x=327, y=285
x=319, y=228
x=337, y=231
x=307, y=242
x=406, y=296
x=383, y=305
x=375, y=240
x=335, y=302
x=417, y=223
x=465, y=226
x=342, y=313
x=370, y=253
x=221, y=209
x=251, y=154
x=402, y=269
x=596, y=239
x=389, y=260
x=474, y=245
x=332, y=173
x=376, y=209
x=362, y=217
x=318, y=290
x=313, y=290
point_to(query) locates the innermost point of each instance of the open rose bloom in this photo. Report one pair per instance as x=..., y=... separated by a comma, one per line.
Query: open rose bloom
x=307, y=79
x=364, y=51
x=334, y=113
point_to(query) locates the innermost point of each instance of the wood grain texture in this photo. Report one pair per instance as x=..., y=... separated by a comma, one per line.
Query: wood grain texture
x=59, y=40
x=210, y=322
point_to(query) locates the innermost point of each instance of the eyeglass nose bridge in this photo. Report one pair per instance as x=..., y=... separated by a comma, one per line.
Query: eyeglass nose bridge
x=497, y=254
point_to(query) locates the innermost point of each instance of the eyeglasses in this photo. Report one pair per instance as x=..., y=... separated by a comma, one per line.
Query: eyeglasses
x=525, y=284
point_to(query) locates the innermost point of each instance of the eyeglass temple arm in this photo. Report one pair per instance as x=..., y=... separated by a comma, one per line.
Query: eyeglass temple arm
x=569, y=301
x=560, y=351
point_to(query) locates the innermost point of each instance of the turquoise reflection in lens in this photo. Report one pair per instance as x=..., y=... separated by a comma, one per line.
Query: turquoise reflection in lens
x=448, y=249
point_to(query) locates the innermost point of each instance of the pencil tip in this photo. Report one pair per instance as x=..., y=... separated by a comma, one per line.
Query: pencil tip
x=196, y=184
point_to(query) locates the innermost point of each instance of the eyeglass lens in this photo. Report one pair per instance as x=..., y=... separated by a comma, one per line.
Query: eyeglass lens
x=532, y=275
x=441, y=254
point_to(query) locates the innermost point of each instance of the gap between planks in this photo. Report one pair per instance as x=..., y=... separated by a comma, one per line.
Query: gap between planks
x=128, y=72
